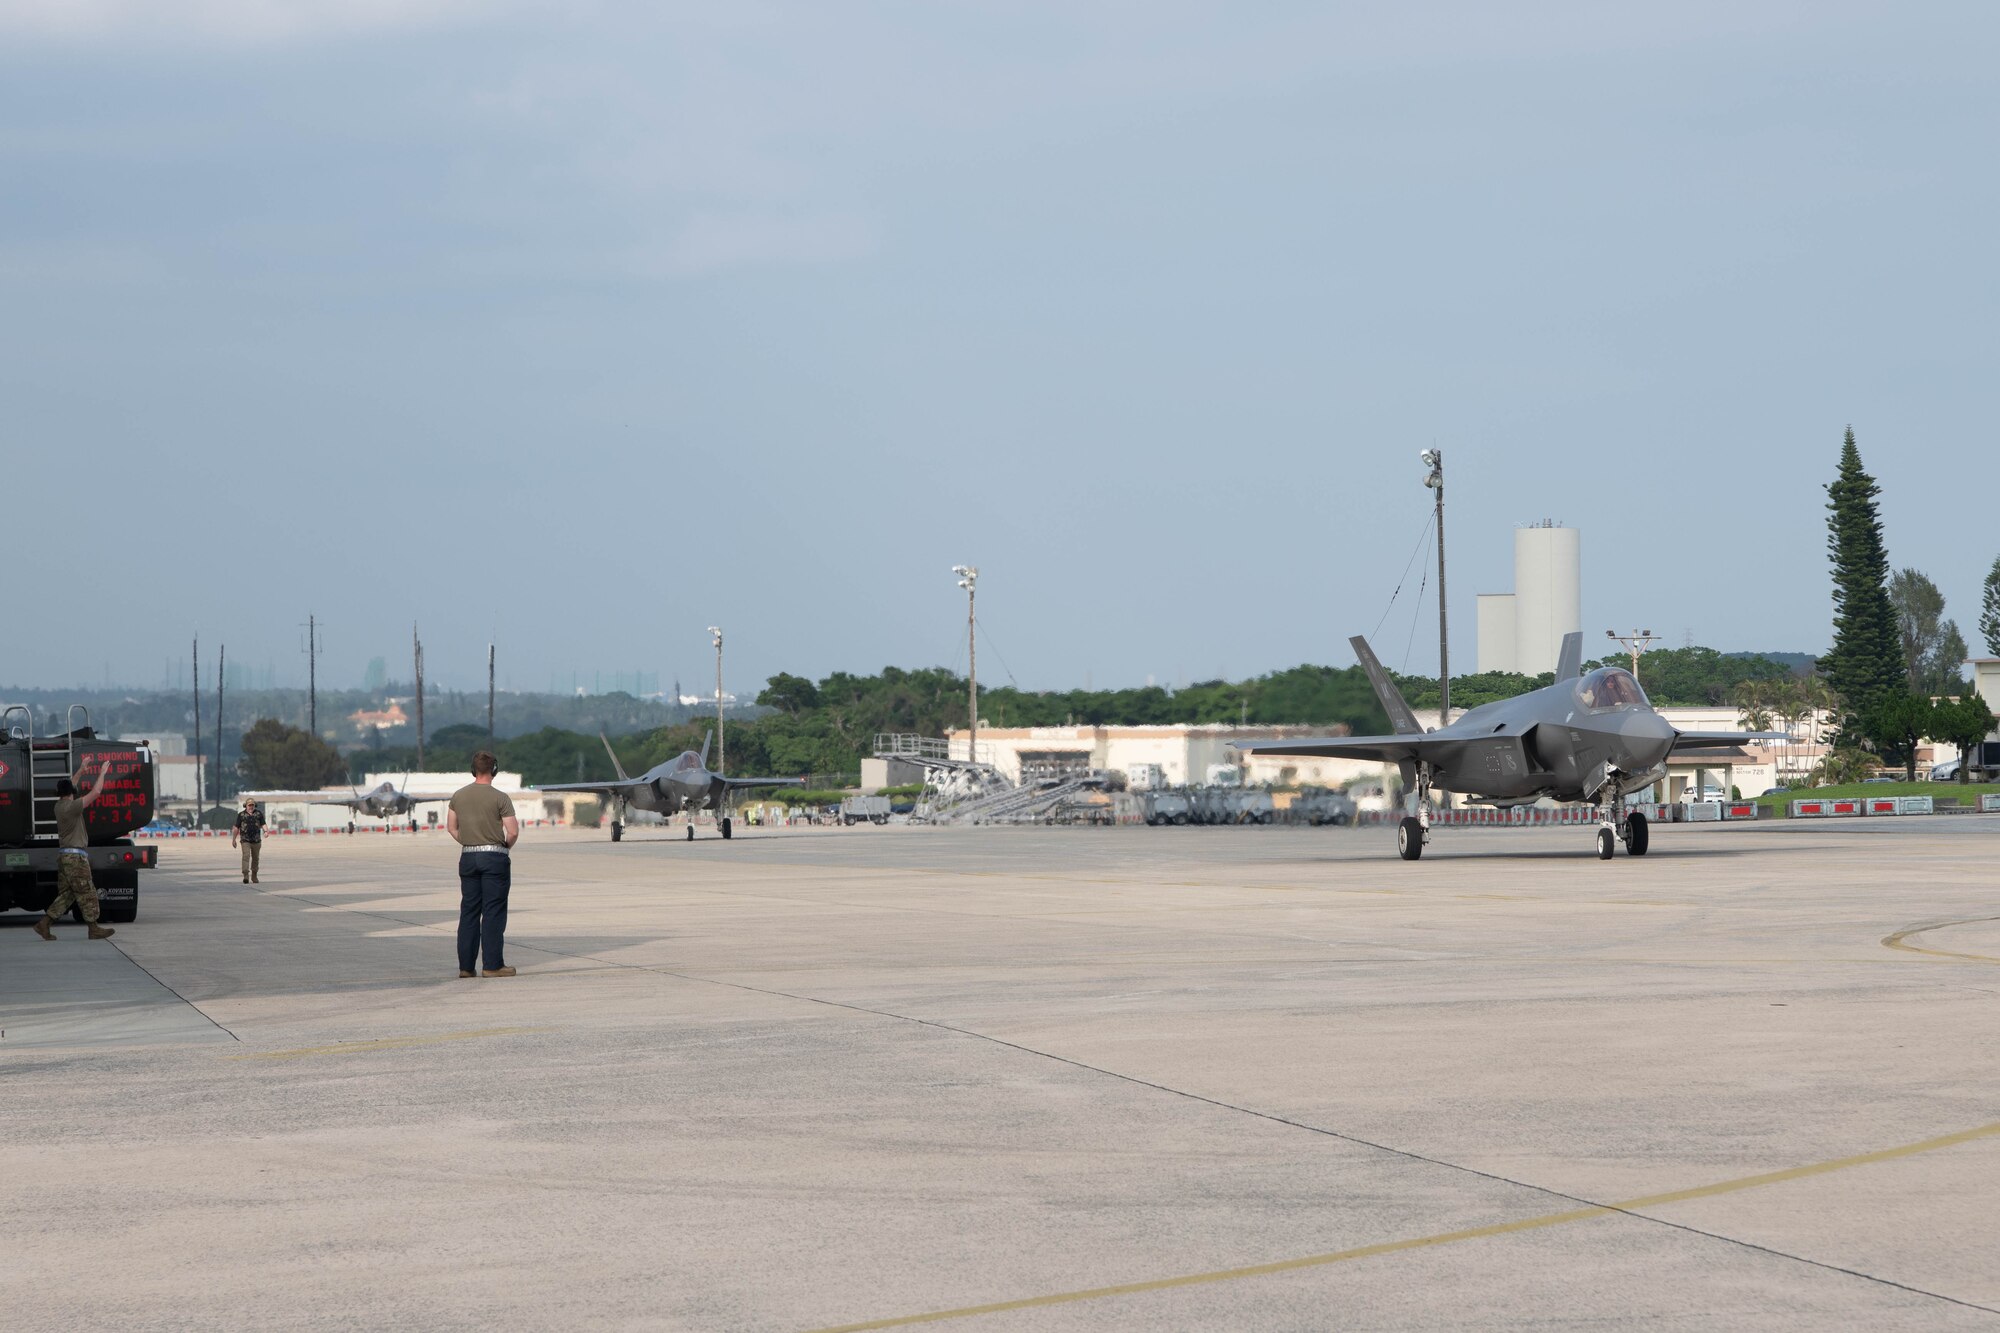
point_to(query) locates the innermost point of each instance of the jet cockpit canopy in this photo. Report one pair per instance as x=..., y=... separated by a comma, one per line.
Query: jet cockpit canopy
x=1610, y=687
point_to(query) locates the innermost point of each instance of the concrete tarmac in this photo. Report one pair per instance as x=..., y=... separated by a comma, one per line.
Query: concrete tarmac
x=1022, y=1079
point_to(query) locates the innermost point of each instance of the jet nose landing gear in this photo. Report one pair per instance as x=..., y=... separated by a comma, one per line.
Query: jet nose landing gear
x=1621, y=825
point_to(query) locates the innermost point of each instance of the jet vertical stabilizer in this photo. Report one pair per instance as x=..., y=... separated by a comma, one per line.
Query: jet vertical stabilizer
x=1569, y=665
x=616, y=767
x=1400, y=717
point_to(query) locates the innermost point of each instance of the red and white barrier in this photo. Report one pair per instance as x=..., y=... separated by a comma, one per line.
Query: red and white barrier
x=1841, y=807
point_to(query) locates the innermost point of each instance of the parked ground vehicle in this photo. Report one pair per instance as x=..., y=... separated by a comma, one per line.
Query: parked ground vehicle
x=30, y=766
x=1317, y=806
x=1255, y=806
x=855, y=809
x=1168, y=807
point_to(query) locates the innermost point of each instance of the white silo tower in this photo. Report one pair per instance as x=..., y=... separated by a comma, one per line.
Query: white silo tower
x=1548, y=594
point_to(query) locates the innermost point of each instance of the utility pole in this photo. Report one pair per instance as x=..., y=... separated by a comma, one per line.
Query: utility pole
x=220, y=653
x=1637, y=642
x=312, y=675
x=1434, y=460
x=968, y=579
x=417, y=645
x=489, y=694
x=718, y=698
x=200, y=778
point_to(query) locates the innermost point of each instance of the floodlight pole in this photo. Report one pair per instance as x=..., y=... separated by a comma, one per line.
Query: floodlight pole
x=200, y=778
x=1435, y=458
x=417, y=647
x=720, y=745
x=221, y=653
x=968, y=579
x=489, y=694
x=1636, y=643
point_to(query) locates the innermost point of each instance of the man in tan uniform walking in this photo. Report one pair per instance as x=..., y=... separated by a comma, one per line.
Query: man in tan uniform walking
x=249, y=827
x=73, y=882
x=482, y=818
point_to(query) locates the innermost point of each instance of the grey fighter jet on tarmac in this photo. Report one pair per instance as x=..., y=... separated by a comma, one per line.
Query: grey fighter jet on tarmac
x=1591, y=738
x=382, y=802
x=681, y=783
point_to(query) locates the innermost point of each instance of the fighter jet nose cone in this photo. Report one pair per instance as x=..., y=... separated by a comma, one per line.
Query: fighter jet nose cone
x=1649, y=736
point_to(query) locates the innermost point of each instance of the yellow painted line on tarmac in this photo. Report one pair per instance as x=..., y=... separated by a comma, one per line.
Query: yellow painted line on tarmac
x=1428, y=1242
x=383, y=1044
x=1900, y=940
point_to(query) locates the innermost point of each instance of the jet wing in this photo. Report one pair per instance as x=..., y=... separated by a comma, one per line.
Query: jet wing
x=308, y=797
x=1388, y=749
x=764, y=782
x=613, y=787
x=1715, y=740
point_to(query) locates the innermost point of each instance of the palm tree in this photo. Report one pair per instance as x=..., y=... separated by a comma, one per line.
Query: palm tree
x=1822, y=700
x=1753, y=704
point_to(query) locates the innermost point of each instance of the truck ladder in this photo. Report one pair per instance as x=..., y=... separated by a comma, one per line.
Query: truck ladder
x=51, y=758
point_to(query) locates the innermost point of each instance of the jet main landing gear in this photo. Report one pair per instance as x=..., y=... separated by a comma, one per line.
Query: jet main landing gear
x=1415, y=829
x=1410, y=838
x=725, y=828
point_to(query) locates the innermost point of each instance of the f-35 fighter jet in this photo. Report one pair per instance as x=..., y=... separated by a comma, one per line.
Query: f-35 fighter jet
x=681, y=783
x=381, y=802
x=1593, y=738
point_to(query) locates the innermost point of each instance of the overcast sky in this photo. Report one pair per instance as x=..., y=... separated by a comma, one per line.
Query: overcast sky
x=585, y=326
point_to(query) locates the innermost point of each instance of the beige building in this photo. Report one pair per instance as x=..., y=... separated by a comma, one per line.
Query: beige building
x=1174, y=756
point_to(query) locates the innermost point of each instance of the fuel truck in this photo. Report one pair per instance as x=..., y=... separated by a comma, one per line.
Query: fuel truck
x=30, y=766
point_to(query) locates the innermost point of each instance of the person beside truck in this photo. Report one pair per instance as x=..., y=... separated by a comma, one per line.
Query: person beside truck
x=73, y=882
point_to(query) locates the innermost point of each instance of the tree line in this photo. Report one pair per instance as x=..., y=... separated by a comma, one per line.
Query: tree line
x=1892, y=677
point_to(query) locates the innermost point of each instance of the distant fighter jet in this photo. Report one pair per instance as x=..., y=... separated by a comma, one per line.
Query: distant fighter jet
x=681, y=783
x=1591, y=738
x=383, y=802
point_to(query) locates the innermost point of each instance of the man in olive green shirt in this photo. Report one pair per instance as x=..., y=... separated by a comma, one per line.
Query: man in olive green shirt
x=73, y=882
x=482, y=818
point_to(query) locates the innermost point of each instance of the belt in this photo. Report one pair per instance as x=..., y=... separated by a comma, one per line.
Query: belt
x=76, y=851
x=487, y=847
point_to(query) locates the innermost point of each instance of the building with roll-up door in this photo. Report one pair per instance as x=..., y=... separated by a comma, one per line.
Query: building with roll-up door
x=1523, y=630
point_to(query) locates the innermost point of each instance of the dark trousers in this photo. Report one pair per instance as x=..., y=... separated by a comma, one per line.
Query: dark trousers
x=483, y=881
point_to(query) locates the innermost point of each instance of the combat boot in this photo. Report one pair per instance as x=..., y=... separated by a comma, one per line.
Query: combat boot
x=42, y=928
x=98, y=932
